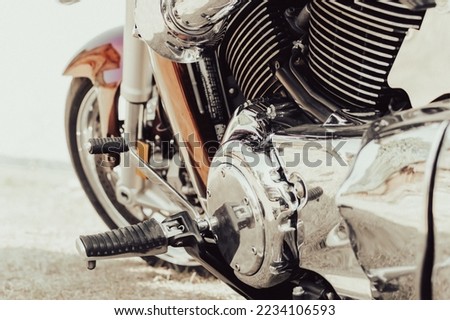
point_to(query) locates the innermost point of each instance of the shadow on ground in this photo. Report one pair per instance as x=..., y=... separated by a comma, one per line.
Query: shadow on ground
x=37, y=274
x=42, y=211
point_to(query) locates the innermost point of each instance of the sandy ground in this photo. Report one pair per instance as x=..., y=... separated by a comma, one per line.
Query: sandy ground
x=43, y=210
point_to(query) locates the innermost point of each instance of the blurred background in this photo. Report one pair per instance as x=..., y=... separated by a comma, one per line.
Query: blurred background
x=39, y=38
x=42, y=206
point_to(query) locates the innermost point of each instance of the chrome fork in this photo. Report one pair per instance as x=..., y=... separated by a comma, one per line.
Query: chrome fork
x=135, y=90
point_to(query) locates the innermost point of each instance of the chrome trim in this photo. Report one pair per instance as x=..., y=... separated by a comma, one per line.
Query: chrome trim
x=136, y=83
x=384, y=200
x=254, y=219
x=177, y=29
x=441, y=219
x=323, y=157
x=161, y=184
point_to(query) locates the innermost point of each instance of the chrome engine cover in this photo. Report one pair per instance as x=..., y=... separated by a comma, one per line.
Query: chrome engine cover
x=367, y=234
x=386, y=201
x=251, y=204
x=175, y=29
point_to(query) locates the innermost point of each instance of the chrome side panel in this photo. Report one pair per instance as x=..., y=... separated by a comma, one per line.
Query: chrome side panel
x=323, y=159
x=385, y=201
x=441, y=216
x=175, y=29
x=100, y=60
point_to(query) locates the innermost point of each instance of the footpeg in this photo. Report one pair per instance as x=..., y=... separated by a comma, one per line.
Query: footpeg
x=142, y=239
x=107, y=145
x=147, y=238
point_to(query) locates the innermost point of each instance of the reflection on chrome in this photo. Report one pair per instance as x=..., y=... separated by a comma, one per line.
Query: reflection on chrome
x=324, y=245
x=384, y=200
x=441, y=217
x=251, y=206
x=183, y=25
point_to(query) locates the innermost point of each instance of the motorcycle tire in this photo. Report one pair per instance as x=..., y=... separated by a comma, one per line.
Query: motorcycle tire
x=81, y=123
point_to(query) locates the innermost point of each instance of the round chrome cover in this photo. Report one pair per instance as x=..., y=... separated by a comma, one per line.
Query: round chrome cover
x=251, y=210
x=238, y=222
x=175, y=29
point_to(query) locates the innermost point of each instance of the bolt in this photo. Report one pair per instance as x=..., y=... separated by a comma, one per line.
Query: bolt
x=237, y=267
x=208, y=193
x=203, y=225
x=232, y=91
x=223, y=173
x=290, y=12
x=315, y=193
x=246, y=201
x=254, y=251
x=271, y=112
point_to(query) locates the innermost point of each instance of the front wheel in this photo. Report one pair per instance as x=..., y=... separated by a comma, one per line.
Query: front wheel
x=82, y=124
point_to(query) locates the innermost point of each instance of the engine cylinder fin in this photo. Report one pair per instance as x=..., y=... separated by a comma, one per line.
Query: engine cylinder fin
x=352, y=46
x=257, y=36
x=255, y=16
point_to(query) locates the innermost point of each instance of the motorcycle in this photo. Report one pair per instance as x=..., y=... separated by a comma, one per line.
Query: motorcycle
x=294, y=149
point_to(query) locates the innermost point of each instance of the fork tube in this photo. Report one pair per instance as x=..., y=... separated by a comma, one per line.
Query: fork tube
x=135, y=88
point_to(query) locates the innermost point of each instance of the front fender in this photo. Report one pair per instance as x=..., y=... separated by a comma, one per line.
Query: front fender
x=100, y=60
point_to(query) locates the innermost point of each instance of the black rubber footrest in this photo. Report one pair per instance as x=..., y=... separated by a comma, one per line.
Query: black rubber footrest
x=107, y=145
x=145, y=238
